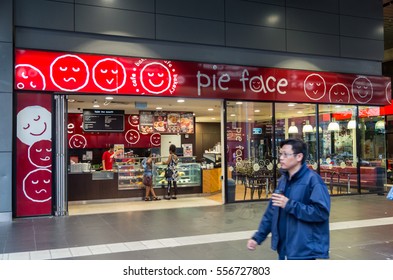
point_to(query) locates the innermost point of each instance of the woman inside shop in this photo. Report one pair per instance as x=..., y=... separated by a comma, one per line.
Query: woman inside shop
x=147, y=164
x=171, y=173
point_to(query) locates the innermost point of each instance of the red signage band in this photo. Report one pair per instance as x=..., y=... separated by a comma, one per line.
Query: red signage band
x=103, y=74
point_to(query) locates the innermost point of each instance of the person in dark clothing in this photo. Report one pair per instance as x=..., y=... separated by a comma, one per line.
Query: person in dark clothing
x=172, y=174
x=298, y=213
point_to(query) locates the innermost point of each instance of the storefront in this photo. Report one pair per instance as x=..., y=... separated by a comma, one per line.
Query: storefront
x=336, y=114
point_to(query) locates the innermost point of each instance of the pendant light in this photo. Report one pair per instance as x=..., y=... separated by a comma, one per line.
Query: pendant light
x=307, y=128
x=293, y=128
x=380, y=125
x=352, y=123
x=333, y=126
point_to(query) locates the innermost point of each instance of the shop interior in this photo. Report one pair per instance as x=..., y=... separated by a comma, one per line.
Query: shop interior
x=252, y=141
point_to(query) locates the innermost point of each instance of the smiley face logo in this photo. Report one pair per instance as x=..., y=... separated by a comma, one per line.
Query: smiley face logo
x=339, y=93
x=256, y=84
x=69, y=72
x=29, y=77
x=156, y=78
x=77, y=141
x=362, y=89
x=109, y=74
x=40, y=153
x=70, y=128
x=388, y=92
x=314, y=86
x=132, y=136
x=155, y=139
x=33, y=124
x=133, y=120
x=37, y=185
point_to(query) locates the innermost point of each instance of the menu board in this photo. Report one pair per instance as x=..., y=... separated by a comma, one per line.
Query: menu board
x=103, y=120
x=166, y=122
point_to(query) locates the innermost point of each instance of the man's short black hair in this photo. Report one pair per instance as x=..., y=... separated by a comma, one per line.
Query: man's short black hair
x=298, y=146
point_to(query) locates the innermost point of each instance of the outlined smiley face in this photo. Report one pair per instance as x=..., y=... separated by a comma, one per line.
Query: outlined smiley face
x=77, y=141
x=69, y=72
x=314, y=86
x=155, y=139
x=156, y=77
x=40, y=153
x=33, y=124
x=29, y=77
x=132, y=136
x=109, y=74
x=37, y=185
x=362, y=89
x=339, y=93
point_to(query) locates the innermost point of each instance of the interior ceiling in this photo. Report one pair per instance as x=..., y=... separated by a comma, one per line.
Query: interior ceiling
x=200, y=107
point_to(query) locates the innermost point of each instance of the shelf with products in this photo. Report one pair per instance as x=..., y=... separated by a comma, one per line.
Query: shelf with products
x=189, y=175
x=130, y=175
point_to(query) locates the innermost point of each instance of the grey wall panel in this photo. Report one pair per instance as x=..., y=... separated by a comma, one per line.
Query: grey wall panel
x=312, y=21
x=6, y=21
x=273, y=2
x=313, y=43
x=135, y=5
x=5, y=182
x=362, y=48
x=362, y=8
x=190, y=30
x=331, y=6
x=255, y=37
x=44, y=14
x=245, y=12
x=361, y=27
x=6, y=67
x=114, y=22
x=6, y=121
x=204, y=9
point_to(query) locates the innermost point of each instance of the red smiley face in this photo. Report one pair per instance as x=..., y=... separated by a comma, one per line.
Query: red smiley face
x=109, y=74
x=155, y=139
x=362, y=89
x=155, y=78
x=77, y=141
x=69, y=72
x=339, y=93
x=37, y=185
x=314, y=87
x=29, y=77
x=40, y=153
x=132, y=136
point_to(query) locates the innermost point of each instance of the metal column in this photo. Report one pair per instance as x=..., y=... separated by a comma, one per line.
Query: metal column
x=61, y=207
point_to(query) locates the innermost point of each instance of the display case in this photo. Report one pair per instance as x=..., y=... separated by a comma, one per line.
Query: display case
x=189, y=175
x=130, y=176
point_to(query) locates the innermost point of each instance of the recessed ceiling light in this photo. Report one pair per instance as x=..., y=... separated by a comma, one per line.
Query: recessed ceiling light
x=291, y=104
x=96, y=106
x=233, y=115
x=158, y=108
x=210, y=109
x=180, y=100
x=239, y=103
x=213, y=118
x=257, y=111
x=71, y=100
x=109, y=98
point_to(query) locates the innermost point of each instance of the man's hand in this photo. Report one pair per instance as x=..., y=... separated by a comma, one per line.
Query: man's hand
x=251, y=244
x=279, y=200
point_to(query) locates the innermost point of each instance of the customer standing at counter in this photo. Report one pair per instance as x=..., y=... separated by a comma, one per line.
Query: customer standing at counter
x=171, y=174
x=107, y=159
x=147, y=164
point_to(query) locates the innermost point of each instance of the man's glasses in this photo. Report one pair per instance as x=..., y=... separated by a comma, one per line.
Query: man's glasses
x=285, y=155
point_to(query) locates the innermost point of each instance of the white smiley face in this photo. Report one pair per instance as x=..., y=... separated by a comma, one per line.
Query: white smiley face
x=77, y=141
x=155, y=78
x=109, y=74
x=37, y=185
x=33, y=124
x=132, y=136
x=155, y=139
x=362, y=89
x=256, y=85
x=315, y=86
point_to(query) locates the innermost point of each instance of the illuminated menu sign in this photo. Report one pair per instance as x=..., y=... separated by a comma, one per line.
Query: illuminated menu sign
x=103, y=120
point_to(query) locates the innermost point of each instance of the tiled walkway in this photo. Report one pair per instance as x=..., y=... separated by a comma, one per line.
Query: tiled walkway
x=361, y=228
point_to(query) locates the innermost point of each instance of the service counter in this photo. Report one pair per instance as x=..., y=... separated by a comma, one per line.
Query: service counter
x=211, y=180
